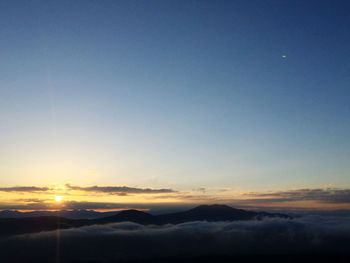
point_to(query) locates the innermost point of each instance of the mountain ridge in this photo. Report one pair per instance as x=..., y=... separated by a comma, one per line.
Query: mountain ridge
x=71, y=214
x=210, y=213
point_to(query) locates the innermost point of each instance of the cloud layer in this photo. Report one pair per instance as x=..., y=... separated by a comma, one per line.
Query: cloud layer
x=129, y=241
x=329, y=195
x=120, y=190
x=37, y=197
x=24, y=189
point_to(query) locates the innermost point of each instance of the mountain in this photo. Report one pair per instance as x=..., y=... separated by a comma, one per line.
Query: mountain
x=201, y=213
x=208, y=213
x=132, y=215
x=72, y=214
x=212, y=213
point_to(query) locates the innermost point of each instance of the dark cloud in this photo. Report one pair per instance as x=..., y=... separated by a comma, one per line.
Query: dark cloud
x=93, y=205
x=329, y=195
x=27, y=206
x=42, y=205
x=315, y=235
x=24, y=189
x=120, y=190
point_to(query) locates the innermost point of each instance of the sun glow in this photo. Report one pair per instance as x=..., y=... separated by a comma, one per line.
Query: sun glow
x=58, y=198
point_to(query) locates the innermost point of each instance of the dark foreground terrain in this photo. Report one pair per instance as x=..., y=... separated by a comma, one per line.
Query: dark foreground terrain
x=217, y=259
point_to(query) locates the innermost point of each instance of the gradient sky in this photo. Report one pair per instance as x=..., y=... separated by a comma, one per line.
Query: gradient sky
x=175, y=94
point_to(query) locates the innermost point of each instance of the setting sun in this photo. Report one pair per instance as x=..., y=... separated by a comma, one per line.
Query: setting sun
x=58, y=198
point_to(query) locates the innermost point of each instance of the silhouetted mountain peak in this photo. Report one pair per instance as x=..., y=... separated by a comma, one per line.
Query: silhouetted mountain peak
x=133, y=212
x=214, y=212
x=130, y=215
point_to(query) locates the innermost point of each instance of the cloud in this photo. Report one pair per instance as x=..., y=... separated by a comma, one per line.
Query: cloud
x=329, y=195
x=94, y=205
x=330, y=198
x=130, y=241
x=32, y=200
x=119, y=190
x=43, y=205
x=39, y=205
x=320, y=198
x=200, y=189
x=24, y=189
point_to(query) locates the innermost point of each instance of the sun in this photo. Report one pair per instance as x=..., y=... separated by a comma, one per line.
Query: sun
x=58, y=198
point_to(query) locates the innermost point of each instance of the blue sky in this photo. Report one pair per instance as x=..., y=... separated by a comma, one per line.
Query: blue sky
x=179, y=94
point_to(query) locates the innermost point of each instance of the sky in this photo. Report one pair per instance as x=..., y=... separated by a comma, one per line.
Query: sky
x=196, y=101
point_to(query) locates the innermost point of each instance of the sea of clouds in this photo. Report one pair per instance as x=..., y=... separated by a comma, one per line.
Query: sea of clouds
x=130, y=241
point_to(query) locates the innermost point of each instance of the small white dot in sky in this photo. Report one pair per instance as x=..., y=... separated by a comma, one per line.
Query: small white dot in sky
x=284, y=56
